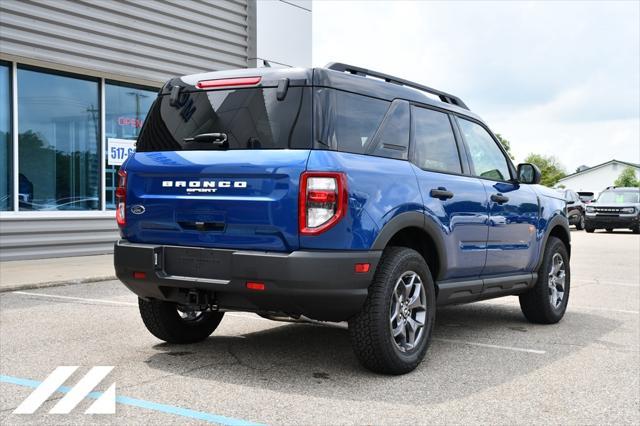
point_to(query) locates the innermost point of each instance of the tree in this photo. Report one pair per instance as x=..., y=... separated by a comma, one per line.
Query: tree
x=627, y=178
x=550, y=167
x=505, y=144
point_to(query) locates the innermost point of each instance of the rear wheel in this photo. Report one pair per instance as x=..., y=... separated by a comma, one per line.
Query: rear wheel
x=547, y=301
x=175, y=324
x=392, y=332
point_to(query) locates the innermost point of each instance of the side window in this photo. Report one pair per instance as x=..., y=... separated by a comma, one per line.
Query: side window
x=392, y=140
x=487, y=159
x=346, y=121
x=434, y=144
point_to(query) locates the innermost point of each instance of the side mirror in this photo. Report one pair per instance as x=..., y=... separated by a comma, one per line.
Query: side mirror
x=529, y=173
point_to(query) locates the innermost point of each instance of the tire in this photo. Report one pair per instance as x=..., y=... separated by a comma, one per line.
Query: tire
x=609, y=229
x=165, y=322
x=371, y=330
x=536, y=304
x=589, y=230
x=580, y=224
x=636, y=230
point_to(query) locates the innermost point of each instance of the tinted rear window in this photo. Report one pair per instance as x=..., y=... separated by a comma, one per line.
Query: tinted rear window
x=248, y=119
x=346, y=121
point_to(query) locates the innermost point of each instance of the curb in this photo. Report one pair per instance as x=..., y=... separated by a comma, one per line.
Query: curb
x=31, y=286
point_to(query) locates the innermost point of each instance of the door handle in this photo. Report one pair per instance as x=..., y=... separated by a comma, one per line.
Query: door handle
x=499, y=198
x=441, y=193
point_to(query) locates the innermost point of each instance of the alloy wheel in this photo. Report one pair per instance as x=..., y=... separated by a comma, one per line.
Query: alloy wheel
x=557, y=276
x=408, y=311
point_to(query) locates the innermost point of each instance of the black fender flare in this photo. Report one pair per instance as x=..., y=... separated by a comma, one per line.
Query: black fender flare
x=414, y=219
x=557, y=220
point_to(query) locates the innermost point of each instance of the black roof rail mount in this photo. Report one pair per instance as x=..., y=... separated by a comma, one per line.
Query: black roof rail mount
x=363, y=72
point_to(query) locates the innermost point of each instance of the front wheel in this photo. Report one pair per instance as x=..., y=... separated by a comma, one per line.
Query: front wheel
x=580, y=224
x=392, y=332
x=547, y=301
x=175, y=324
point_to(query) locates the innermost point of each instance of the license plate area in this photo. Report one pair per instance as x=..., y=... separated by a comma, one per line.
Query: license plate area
x=197, y=263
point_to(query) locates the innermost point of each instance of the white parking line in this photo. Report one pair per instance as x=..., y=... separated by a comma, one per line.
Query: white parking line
x=595, y=308
x=81, y=299
x=486, y=345
x=596, y=281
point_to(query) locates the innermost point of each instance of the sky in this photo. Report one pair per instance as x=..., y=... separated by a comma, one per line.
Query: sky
x=554, y=78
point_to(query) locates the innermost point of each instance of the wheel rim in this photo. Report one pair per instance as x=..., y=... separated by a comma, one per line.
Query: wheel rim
x=581, y=221
x=557, y=277
x=189, y=315
x=408, y=311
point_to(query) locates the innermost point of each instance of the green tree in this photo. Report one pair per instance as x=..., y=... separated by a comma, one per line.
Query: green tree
x=627, y=178
x=505, y=144
x=550, y=167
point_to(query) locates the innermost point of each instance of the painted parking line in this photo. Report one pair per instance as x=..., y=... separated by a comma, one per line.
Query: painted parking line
x=486, y=345
x=79, y=299
x=141, y=403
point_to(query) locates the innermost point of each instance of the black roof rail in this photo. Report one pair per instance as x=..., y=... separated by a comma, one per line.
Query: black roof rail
x=444, y=97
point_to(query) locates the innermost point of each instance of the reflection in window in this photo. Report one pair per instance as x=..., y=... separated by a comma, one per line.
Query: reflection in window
x=126, y=108
x=6, y=171
x=435, y=145
x=486, y=157
x=58, y=131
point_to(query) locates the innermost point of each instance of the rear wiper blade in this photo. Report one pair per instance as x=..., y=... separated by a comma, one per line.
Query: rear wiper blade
x=218, y=139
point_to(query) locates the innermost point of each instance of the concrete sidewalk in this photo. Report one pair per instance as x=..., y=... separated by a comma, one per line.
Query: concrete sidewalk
x=38, y=273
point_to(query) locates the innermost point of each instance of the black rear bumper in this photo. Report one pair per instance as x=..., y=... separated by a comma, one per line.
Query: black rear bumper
x=318, y=284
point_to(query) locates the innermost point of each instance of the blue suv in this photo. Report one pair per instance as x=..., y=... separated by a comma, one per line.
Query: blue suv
x=332, y=194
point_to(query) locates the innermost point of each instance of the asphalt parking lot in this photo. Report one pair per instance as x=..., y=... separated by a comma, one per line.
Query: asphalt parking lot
x=486, y=363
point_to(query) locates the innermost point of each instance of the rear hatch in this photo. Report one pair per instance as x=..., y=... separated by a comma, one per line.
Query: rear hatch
x=220, y=168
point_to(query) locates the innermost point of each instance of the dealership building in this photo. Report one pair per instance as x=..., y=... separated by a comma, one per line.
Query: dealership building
x=77, y=78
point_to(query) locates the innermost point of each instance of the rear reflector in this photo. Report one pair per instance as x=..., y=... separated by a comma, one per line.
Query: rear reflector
x=361, y=268
x=252, y=285
x=140, y=275
x=224, y=82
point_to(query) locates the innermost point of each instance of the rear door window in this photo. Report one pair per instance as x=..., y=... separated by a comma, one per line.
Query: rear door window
x=243, y=119
x=347, y=122
x=433, y=140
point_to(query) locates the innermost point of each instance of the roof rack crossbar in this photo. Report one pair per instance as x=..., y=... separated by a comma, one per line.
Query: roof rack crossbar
x=363, y=72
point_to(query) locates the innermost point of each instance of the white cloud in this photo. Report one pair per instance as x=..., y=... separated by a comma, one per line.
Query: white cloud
x=558, y=78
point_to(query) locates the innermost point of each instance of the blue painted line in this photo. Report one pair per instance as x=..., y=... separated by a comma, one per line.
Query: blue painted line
x=141, y=403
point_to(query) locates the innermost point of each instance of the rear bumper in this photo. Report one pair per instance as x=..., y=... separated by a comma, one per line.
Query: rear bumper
x=599, y=221
x=318, y=284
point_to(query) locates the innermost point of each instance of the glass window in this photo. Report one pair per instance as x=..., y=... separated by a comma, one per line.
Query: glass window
x=347, y=121
x=619, y=197
x=58, y=136
x=487, y=159
x=435, y=144
x=241, y=118
x=126, y=108
x=6, y=171
x=392, y=140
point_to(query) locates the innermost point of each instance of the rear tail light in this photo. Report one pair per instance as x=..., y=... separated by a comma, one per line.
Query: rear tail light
x=121, y=198
x=322, y=201
x=228, y=82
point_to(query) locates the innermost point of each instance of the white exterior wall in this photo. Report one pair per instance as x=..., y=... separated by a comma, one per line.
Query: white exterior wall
x=283, y=32
x=595, y=180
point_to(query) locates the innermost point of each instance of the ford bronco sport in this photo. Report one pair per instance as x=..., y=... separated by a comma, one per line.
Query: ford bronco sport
x=615, y=208
x=332, y=194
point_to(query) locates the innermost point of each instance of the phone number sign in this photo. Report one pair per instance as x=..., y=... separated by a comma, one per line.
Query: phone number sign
x=118, y=150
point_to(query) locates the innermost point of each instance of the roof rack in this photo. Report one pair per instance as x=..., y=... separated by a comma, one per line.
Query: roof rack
x=444, y=97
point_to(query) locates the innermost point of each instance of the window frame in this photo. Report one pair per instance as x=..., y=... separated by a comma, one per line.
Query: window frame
x=472, y=171
x=462, y=153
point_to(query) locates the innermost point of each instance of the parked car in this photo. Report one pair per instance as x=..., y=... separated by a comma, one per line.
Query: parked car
x=586, y=197
x=615, y=208
x=575, y=208
x=336, y=194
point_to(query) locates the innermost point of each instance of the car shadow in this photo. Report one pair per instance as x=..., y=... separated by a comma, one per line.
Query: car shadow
x=316, y=360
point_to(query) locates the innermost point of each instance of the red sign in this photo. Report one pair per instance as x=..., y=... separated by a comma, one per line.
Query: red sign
x=127, y=121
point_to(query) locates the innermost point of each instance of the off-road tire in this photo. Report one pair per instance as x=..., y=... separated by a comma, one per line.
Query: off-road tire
x=370, y=330
x=580, y=224
x=163, y=321
x=535, y=304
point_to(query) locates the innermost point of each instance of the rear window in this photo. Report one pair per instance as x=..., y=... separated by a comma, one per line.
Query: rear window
x=229, y=119
x=346, y=121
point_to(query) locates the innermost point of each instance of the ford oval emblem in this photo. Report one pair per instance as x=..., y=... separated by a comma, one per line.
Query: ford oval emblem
x=137, y=209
